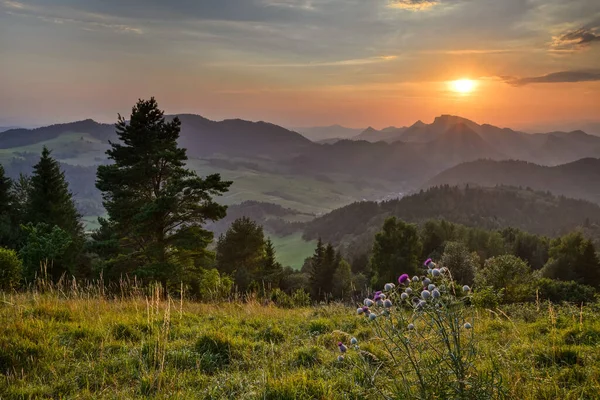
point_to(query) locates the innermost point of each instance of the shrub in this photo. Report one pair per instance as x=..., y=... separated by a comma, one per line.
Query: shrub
x=487, y=297
x=11, y=269
x=558, y=291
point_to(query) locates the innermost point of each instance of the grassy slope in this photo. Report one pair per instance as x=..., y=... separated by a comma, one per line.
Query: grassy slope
x=292, y=250
x=101, y=349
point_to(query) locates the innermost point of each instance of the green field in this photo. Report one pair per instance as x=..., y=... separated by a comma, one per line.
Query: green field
x=96, y=348
x=292, y=250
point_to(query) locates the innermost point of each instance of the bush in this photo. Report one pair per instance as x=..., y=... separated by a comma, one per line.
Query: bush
x=11, y=269
x=487, y=297
x=558, y=291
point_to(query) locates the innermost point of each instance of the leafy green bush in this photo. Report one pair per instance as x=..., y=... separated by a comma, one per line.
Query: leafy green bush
x=558, y=291
x=487, y=297
x=11, y=269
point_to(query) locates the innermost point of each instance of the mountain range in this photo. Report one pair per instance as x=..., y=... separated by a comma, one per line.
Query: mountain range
x=579, y=179
x=331, y=132
x=409, y=158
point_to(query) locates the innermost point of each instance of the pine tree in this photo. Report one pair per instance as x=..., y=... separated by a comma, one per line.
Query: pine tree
x=271, y=269
x=155, y=205
x=50, y=204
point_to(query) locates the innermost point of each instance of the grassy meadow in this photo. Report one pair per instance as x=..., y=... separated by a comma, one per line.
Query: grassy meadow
x=86, y=346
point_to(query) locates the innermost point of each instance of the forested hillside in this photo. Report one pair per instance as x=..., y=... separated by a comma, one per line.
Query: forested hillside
x=487, y=208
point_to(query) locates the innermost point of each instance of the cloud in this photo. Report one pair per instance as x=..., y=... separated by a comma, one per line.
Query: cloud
x=556, y=77
x=62, y=15
x=338, y=63
x=579, y=38
x=413, y=5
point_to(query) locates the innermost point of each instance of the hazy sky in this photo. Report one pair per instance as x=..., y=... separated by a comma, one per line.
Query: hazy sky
x=302, y=62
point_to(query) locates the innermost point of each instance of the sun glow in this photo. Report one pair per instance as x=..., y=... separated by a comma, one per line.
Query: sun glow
x=463, y=86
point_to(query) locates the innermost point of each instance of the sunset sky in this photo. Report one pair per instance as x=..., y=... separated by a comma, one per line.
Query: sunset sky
x=535, y=63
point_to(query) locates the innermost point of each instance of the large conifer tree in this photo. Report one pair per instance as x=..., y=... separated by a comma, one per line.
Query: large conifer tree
x=50, y=203
x=156, y=206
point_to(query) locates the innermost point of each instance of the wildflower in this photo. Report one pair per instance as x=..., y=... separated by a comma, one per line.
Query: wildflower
x=425, y=294
x=340, y=358
x=415, y=279
x=443, y=270
x=421, y=304
x=365, y=310
x=342, y=348
x=403, y=278
x=432, y=265
x=380, y=303
x=466, y=288
x=382, y=296
x=410, y=327
x=436, y=294
x=360, y=310
x=431, y=287
x=415, y=301
x=408, y=290
x=387, y=303
x=435, y=272
x=368, y=302
x=429, y=271
x=426, y=281
x=468, y=326
x=372, y=316
x=389, y=286
x=353, y=341
x=404, y=296
x=426, y=263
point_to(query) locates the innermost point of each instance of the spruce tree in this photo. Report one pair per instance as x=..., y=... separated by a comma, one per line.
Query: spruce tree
x=50, y=204
x=316, y=270
x=156, y=206
x=271, y=269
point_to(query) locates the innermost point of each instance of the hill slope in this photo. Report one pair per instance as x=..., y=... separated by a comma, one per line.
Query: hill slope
x=488, y=208
x=579, y=179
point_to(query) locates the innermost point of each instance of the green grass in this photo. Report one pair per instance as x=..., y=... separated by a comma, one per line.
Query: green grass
x=91, y=348
x=292, y=250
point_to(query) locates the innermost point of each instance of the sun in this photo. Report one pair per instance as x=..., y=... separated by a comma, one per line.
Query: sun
x=463, y=86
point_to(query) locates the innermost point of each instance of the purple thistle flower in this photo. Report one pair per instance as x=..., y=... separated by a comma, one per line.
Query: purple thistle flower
x=343, y=348
x=426, y=263
x=403, y=278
